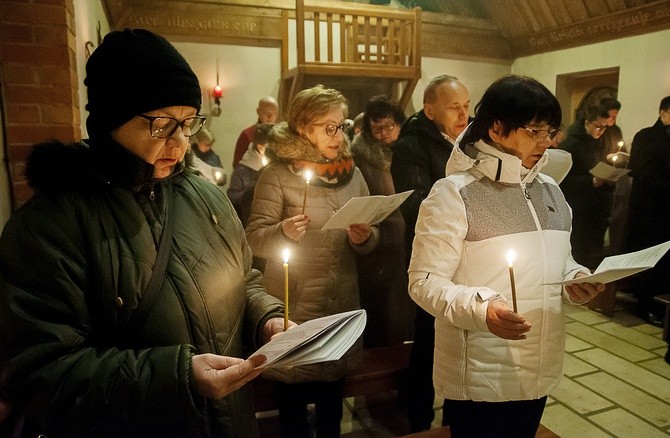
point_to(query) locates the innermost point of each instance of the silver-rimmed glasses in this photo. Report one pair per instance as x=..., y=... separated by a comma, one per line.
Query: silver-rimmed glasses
x=164, y=126
x=541, y=134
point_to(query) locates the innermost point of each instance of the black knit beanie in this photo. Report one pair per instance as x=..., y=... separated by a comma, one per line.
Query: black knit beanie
x=134, y=71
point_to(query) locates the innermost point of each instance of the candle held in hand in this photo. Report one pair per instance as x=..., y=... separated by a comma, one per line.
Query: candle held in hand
x=286, y=254
x=308, y=178
x=511, y=255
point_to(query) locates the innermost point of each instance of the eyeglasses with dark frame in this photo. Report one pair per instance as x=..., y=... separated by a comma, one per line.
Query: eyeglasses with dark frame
x=598, y=127
x=541, y=134
x=164, y=126
x=331, y=128
x=386, y=127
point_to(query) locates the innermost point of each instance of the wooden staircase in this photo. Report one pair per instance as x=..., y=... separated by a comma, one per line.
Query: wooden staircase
x=350, y=43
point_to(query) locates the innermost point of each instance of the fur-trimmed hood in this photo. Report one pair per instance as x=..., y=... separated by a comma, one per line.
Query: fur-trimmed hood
x=286, y=145
x=366, y=147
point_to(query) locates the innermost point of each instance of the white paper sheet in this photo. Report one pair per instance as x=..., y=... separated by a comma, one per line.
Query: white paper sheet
x=620, y=266
x=366, y=210
x=319, y=340
x=608, y=172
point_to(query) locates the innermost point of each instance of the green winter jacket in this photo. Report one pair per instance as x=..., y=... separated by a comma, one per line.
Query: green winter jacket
x=74, y=262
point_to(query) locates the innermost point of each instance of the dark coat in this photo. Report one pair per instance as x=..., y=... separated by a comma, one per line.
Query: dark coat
x=591, y=206
x=382, y=275
x=419, y=159
x=649, y=211
x=74, y=262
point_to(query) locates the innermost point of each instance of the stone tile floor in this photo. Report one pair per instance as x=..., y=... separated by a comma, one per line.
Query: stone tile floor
x=616, y=384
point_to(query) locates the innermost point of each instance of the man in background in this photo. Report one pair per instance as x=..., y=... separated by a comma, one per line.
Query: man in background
x=421, y=152
x=649, y=209
x=268, y=112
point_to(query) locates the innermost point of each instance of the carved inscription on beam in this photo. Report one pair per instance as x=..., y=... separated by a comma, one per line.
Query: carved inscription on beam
x=636, y=21
x=247, y=27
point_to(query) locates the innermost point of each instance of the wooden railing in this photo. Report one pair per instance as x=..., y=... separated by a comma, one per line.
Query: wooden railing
x=377, y=43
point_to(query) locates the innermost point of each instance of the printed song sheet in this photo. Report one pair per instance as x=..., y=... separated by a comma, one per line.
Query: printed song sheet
x=620, y=266
x=366, y=210
x=608, y=172
x=319, y=340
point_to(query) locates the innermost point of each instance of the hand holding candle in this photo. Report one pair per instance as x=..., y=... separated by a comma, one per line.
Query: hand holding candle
x=308, y=178
x=286, y=254
x=511, y=255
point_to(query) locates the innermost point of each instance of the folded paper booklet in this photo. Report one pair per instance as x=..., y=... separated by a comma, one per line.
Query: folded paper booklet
x=608, y=172
x=319, y=340
x=366, y=210
x=620, y=266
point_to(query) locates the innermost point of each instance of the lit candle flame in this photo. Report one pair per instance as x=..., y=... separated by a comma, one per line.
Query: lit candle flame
x=286, y=254
x=614, y=158
x=264, y=161
x=308, y=176
x=511, y=255
x=620, y=144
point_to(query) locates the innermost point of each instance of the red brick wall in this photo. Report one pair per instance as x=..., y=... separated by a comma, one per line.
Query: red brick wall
x=38, y=79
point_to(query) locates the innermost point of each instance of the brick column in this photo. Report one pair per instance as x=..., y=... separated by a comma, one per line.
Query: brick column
x=38, y=74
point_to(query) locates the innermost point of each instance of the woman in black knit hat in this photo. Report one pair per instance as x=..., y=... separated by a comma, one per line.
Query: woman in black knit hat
x=127, y=297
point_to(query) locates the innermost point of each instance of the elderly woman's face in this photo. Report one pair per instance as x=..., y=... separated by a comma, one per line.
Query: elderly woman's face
x=163, y=153
x=318, y=133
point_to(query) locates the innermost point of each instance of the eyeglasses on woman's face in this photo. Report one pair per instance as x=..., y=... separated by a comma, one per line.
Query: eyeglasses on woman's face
x=331, y=128
x=597, y=127
x=541, y=134
x=164, y=127
x=386, y=127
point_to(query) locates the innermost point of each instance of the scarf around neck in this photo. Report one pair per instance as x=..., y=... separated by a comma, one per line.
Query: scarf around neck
x=333, y=173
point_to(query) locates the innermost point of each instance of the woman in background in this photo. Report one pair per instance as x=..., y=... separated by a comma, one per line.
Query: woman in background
x=382, y=274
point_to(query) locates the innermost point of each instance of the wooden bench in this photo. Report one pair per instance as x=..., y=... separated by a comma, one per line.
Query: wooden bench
x=382, y=370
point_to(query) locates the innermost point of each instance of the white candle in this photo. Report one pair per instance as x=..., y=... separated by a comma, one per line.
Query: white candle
x=286, y=254
x=511, y=255
x=308, y=178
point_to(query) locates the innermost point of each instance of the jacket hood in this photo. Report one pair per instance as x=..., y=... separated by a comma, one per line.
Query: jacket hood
x=496, y=165
x=252, y=158
x=54, y=167
x=288, y=146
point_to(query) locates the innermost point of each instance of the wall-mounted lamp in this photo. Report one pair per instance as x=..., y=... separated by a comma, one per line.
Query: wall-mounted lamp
x=217, y=93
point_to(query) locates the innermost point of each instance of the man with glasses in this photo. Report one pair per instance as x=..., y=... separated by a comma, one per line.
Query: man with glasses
x=420, y=155
x=127, y=297
x=589, y=197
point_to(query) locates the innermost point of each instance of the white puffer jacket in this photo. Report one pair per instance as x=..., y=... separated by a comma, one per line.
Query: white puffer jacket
x=487, y=205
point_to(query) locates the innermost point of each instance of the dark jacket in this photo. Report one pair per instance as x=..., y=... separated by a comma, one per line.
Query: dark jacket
x=649, y=209
x=588, y=203
x=74, y=262
x=382, y=275
x=419, y=159
x=591, y=206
